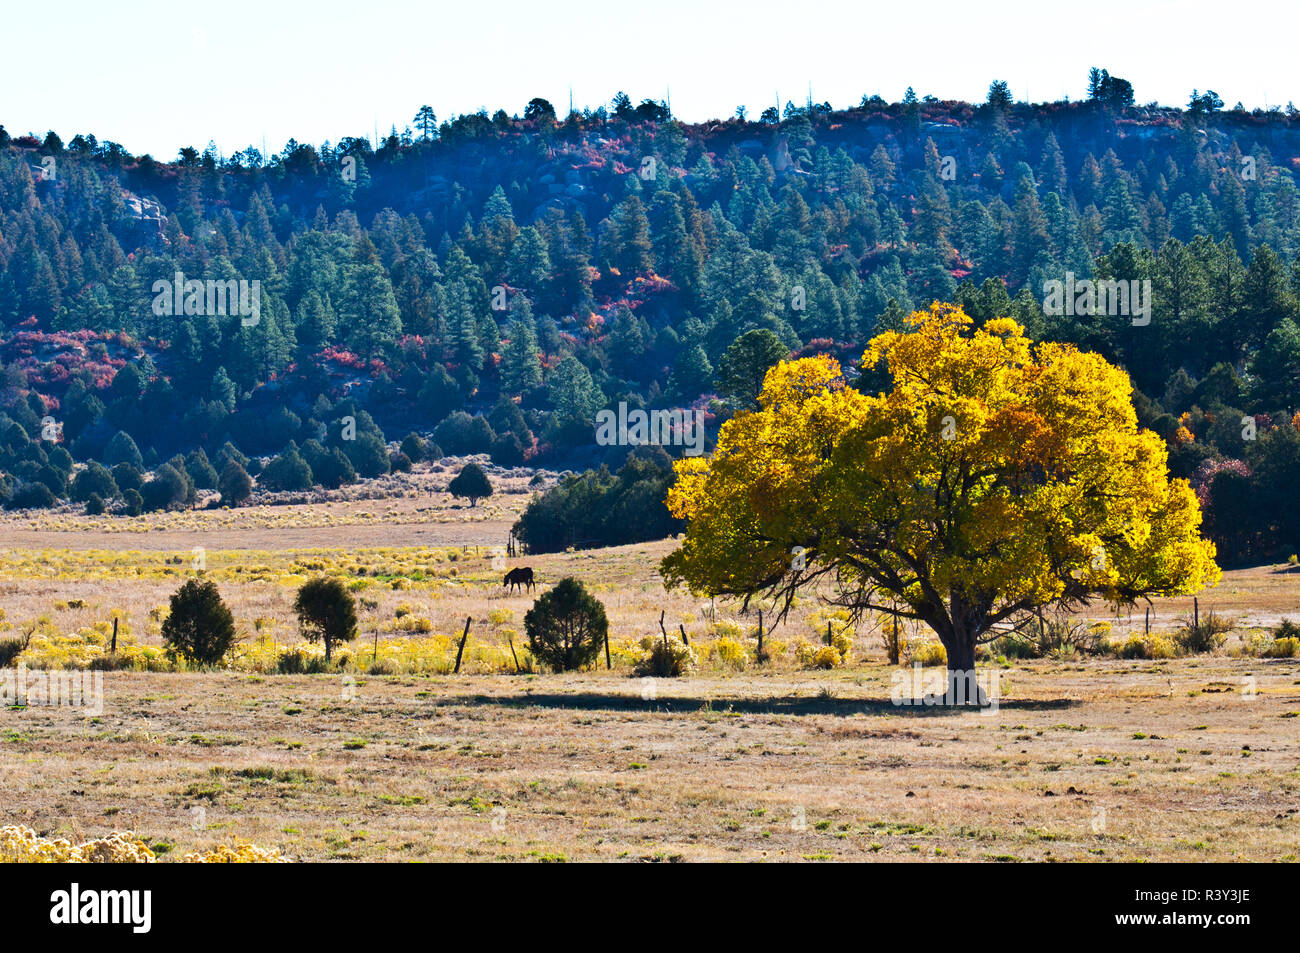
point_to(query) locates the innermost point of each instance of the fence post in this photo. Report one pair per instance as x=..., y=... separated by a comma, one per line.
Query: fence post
x=760, y=636
x=460, y=651
x=1148, y=622
x=114, y=648
x=1196, y=613
x=662, y=629
x=685, y=640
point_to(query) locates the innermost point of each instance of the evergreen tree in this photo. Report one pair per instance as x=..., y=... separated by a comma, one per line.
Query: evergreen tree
x=744, y=365
x=234, y=485
x=521, y=369
x=470, y=483
x=368, y=312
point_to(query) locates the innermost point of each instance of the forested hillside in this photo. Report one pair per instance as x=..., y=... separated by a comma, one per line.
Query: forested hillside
x=488, y=283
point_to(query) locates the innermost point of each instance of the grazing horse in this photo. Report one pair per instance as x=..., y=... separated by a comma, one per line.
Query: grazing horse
x=523, y=576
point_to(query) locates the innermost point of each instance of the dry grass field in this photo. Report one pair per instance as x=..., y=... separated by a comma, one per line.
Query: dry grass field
x=1096, y=761
x=1087, y=758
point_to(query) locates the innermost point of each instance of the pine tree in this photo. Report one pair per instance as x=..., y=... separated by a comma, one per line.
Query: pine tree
x=692, y=374
x=626, y=343
x=368, y=312
x=1267, y=298
x=530, y=265
x=497, y=231
x=316, y=324
x=464, y=327
x=521, y=369
x=627, y=239
x=573, y=394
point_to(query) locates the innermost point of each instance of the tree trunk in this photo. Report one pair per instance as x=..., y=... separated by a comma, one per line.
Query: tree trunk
x=960, y=632
x=959, y=643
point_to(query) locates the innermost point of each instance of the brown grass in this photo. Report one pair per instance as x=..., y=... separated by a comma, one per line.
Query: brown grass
x=1088, y=759
x=1167, y=761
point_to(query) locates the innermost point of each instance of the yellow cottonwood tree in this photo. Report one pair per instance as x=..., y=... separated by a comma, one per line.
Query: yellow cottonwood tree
x=992, y=477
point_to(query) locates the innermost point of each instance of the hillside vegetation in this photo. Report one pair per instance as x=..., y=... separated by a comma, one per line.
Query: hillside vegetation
x=488, y=283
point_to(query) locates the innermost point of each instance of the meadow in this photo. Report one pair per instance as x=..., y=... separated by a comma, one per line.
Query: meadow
x=1107, y=754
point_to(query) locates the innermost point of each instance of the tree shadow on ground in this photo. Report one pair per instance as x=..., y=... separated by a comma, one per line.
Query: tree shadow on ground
x=633, y=701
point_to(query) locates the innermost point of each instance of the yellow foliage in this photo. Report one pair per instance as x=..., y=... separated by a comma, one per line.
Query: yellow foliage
x=817, y=656
x=89, y=648
x=22, y=845
x=1000, y=473
x=726, y=652
x=926, y=653
x=1288, y=647
x=412, y=623
x=841, y=628
x=238, y=854
x=1152, y=646
x=726, y=629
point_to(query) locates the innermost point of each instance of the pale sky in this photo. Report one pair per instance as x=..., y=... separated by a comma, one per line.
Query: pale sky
x=156, y=76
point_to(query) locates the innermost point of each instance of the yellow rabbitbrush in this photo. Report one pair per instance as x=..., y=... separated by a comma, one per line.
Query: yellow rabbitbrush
x=989, y=478
x=22, y=845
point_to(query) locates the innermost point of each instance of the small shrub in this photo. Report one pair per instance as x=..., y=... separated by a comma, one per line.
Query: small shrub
x=1060, y=637
x=413, y=623
x=132, y=503
x=23, y=845
x=726, y=629
x=1015, y=647
x=130, y=658
x=817, y=656
x=1282, y=648
x=300, y=662
x=927, y=653
x=1146, y=647
x=667, y=660
x=1206, y=635
x=11, y=648
x=891, y=636
x=1287, y=630
x=727, y=653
